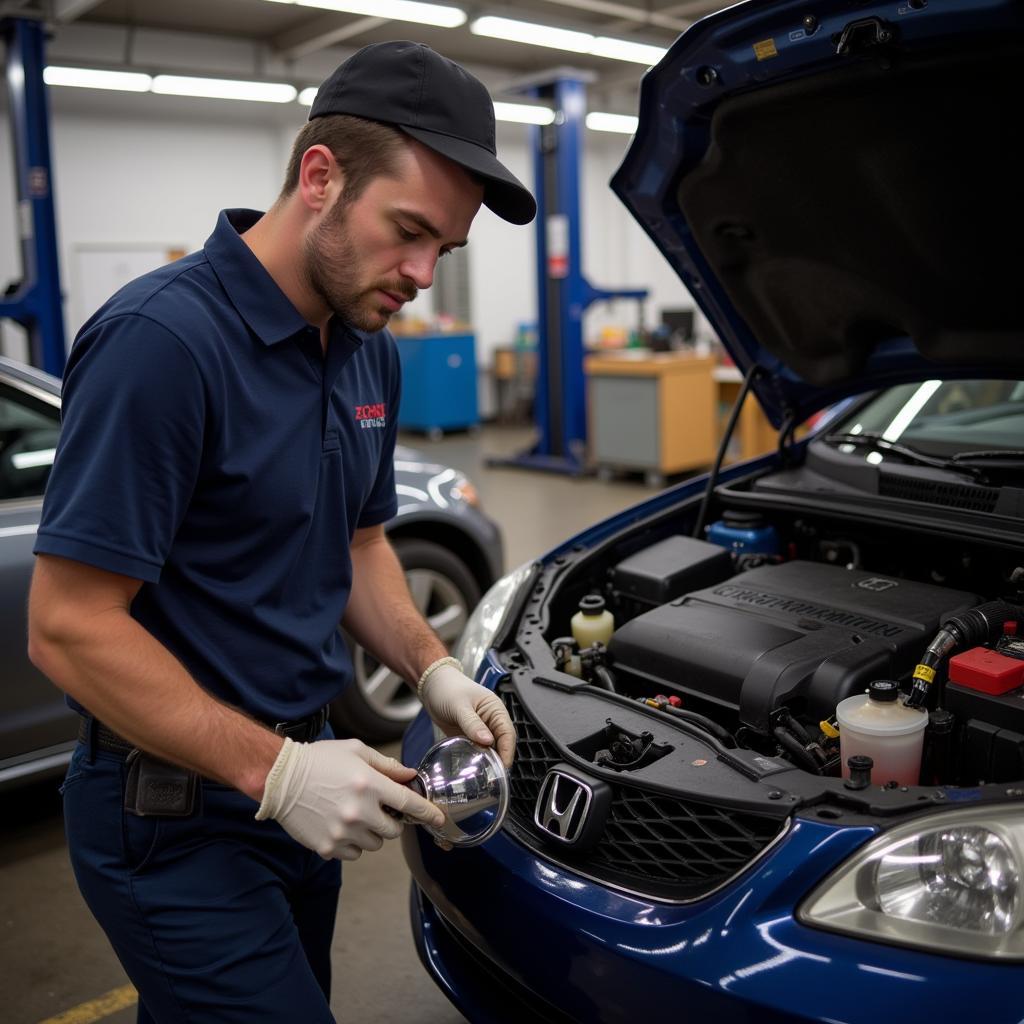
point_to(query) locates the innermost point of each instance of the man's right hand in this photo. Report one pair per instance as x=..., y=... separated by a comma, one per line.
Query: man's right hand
x=331, y=795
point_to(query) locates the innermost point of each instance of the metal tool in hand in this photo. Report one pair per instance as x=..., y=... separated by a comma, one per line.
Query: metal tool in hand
x=470, y=784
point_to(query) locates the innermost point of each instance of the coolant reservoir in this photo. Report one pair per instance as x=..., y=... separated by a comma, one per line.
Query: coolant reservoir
x=593, y=622
x=878, y=725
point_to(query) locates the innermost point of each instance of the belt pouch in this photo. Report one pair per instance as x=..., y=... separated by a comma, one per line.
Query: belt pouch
x=155, y=787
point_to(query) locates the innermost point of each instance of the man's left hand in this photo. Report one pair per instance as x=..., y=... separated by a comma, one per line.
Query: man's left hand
x=459, y=706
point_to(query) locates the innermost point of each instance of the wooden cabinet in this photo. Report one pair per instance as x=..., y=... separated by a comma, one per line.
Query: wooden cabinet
x=663, y=413
x=654, y=412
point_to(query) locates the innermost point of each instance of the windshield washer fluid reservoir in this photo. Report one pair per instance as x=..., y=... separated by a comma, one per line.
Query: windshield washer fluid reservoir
x=878, y=725
x=593, y=622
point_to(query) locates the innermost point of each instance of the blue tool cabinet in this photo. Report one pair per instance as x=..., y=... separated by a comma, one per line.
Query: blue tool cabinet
x=438, y=382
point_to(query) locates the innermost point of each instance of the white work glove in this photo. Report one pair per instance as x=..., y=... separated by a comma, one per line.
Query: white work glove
x=330, y=796
x=459, y=706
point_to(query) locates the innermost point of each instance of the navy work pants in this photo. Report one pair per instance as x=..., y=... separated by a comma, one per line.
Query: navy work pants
x=215, y=917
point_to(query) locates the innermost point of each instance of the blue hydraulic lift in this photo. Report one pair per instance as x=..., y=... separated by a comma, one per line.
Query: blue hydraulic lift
x=34, y=302
x=563, y=293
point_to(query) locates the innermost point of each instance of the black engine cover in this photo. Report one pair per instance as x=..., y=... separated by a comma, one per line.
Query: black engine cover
x=801, y=633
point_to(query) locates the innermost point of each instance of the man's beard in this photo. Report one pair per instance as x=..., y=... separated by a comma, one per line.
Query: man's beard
x=331, y=269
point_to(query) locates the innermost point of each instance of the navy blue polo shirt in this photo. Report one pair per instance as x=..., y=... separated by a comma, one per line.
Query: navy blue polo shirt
x=212, y=450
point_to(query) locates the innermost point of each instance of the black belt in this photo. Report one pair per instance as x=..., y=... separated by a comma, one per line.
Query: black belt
x=92, y=730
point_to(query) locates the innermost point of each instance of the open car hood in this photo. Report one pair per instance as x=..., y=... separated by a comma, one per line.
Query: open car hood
x=837, y=184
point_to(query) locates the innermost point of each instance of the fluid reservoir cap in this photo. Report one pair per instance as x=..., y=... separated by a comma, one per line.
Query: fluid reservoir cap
x=743, y=520
x=884, y=690
x=592, y=604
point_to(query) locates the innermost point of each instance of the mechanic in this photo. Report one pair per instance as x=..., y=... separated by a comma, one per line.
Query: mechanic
x=215, y=509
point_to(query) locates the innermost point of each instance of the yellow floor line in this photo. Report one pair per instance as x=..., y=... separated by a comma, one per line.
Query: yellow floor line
x=96, y=1009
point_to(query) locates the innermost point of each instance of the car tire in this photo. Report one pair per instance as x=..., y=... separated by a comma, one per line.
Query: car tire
x=378, y=704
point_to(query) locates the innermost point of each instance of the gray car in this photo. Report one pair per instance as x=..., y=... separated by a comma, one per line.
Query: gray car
x=450, y=550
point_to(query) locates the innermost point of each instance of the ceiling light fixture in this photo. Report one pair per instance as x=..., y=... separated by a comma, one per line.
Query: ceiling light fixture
x=440, y=15
x=224, y=89
x=626, y=49
x=91, y=78
x=625, y=124
x=523, y=113
x=536, y=35
x=565, y=39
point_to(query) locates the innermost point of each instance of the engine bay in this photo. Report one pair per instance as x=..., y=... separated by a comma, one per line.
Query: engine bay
x=750, y=640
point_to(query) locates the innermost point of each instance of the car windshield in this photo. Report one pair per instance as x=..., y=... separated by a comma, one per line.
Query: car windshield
x=944, y=418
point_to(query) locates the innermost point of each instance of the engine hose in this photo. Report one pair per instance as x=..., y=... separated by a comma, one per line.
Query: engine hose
x=707, y=725
x=796, y=728
x=793, y=746
x=811, y=745
x=719, y=732
x=605, y=678
x=975, y=626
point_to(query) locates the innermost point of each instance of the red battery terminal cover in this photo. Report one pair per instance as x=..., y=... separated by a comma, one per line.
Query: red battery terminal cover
x=987, y=671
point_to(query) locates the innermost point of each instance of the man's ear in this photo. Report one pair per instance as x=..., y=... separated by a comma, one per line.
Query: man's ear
x=320, y=178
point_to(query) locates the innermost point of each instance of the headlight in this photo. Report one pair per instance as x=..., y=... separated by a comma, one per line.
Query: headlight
x=487, y=619
x=950, y=883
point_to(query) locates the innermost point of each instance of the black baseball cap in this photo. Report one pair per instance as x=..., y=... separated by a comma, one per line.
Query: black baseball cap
x=436, y=102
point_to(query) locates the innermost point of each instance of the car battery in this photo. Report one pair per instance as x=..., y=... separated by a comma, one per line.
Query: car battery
x=986, y=685
x=990, y=670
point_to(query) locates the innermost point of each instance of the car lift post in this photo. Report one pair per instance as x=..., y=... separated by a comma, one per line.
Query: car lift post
x=563, y=293
x=35, y=301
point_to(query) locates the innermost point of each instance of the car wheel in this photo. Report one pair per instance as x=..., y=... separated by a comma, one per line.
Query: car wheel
x=379, y=704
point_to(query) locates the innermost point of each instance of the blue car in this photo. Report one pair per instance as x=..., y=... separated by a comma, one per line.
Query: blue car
x=785, y=783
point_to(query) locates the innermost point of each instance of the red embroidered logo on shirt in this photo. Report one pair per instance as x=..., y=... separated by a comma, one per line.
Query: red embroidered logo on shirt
x=370, y=416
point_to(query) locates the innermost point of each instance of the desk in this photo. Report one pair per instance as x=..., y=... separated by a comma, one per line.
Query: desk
x=438, y=382
x=653, y=411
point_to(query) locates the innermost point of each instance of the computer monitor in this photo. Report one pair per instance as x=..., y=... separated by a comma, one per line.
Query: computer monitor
x=679, y=324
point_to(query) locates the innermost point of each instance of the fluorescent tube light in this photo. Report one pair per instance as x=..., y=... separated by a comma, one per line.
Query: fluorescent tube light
x=566, y=39
x=527, y=32
x=395, y=10
x=307, y=96
x=224, y=89
x=523, y=113
x=623, y=123
x=33, y=460
x=626, y=49
x=89, y=78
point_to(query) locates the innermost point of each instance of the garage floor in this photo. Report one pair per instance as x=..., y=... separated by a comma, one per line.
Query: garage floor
x=55, y=964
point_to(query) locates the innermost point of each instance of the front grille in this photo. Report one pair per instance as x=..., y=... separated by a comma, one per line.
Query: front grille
x=971, y=499
x=657, y=845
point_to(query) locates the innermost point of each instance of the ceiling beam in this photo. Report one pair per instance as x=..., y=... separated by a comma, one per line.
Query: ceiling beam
x=69, y=10
x=319, y=33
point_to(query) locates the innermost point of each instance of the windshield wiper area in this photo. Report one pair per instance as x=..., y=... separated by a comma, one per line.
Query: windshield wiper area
x=976, y=470
x=995, y=459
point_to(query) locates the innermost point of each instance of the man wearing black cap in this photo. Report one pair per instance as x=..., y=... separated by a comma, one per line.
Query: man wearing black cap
x=216, y=507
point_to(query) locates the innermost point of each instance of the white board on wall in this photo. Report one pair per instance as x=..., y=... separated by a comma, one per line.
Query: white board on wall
x=101, y=269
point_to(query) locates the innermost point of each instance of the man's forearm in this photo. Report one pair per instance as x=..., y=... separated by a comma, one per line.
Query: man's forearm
x=381, y=614
x=133, y=684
